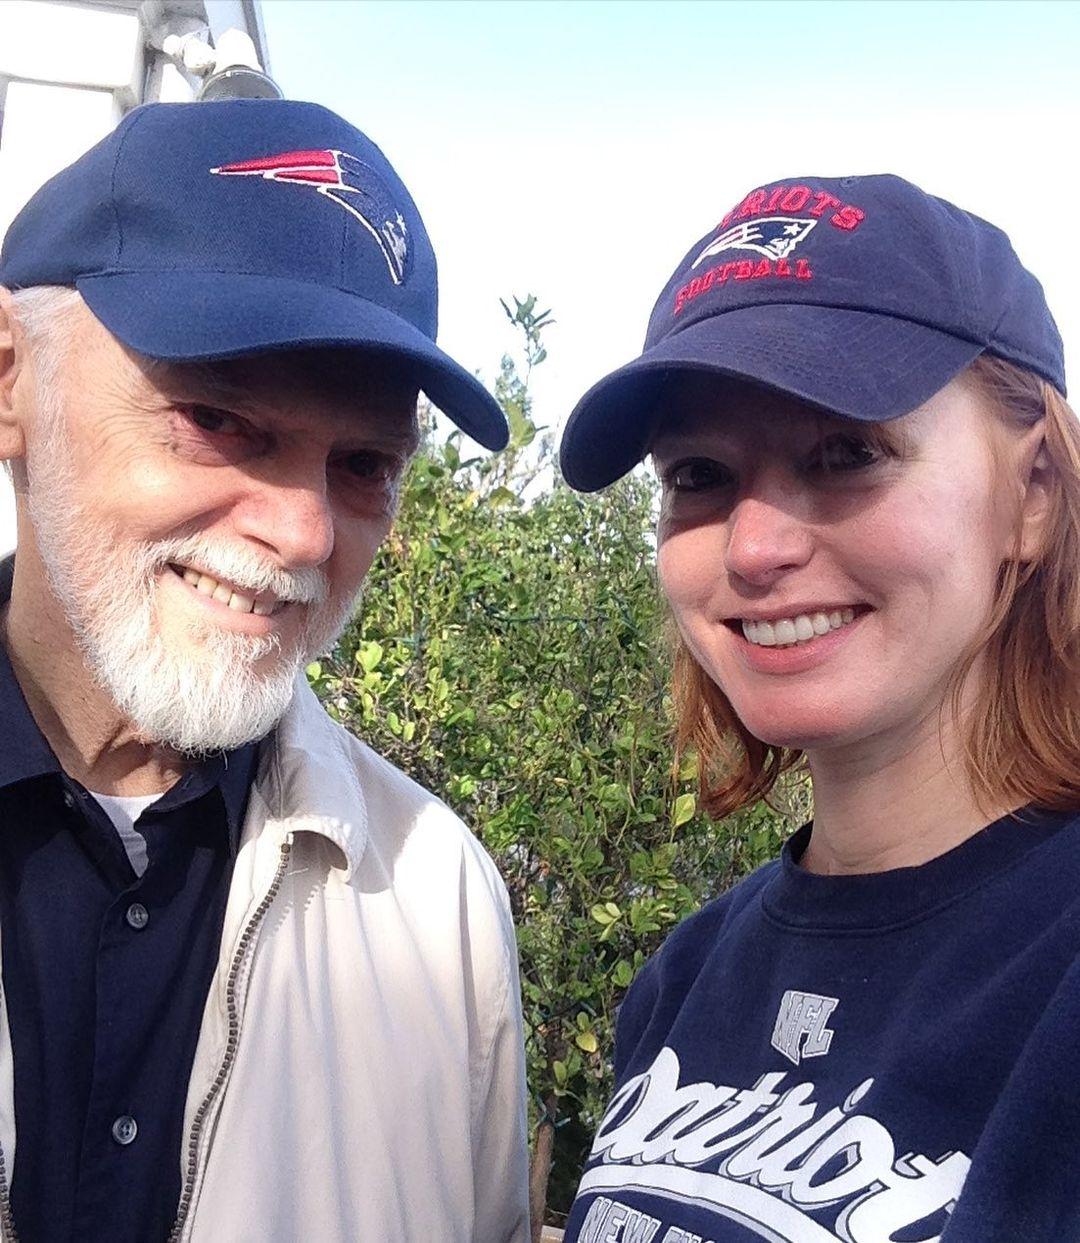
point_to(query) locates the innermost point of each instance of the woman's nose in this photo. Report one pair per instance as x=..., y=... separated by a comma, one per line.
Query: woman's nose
x=765, y=541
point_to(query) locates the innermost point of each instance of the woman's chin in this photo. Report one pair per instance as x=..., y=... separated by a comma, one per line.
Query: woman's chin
x=802, y=735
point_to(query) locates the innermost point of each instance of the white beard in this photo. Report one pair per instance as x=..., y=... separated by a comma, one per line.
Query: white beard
x=207, y=690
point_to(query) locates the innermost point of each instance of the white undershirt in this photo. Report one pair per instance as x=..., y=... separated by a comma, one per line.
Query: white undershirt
x=124, y=811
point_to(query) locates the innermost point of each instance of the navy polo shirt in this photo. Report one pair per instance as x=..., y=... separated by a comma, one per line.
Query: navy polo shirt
x=105, y=977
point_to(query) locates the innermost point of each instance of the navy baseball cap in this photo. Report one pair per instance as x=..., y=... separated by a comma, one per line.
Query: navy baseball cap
x=218, y=230
x=861, y=295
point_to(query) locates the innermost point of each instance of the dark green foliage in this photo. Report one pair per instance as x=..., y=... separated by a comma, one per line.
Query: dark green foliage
x=509, y=654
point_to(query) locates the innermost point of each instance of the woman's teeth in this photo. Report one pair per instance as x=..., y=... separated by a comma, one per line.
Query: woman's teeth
x=790, y=630
x=225, y=594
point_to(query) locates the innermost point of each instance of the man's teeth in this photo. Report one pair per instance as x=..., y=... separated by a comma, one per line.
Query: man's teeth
x=219, y=591
x=801, y=629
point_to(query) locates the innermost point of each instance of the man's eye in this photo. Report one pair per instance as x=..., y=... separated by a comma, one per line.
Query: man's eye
x=697, y=475
x=844, y=452
x=369, y=466
x=217, y=422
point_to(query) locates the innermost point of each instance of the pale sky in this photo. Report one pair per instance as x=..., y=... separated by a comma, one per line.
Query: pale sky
x=578, y=149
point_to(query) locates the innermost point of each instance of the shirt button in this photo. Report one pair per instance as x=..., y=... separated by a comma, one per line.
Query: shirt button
x=124, y=1129
x=69, y=799
x=137, y=916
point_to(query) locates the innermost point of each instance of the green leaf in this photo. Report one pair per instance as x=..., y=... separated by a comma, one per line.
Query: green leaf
x=369, y=655
x=685, y=806
x=623, y=974
x=314, y=671
x=587, y=1041
x=499, y=497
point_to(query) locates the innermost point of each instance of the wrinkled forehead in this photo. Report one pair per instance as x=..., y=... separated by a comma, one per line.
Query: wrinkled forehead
x=341, y=382
x=342, y=373
x=335, y=376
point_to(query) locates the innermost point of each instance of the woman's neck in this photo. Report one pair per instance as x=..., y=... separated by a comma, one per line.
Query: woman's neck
x=881, y=805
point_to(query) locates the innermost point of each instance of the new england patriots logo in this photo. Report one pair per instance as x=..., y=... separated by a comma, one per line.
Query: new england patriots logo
x=350, y=183
x=775, y=237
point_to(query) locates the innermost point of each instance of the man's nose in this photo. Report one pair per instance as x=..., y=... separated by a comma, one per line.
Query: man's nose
x=293, y=519
x=765, y=541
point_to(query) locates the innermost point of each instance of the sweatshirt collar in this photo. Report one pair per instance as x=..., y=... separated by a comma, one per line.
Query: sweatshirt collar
x=881, y=900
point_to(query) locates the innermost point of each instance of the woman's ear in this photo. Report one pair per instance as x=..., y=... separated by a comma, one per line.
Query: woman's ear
x=1035, y=473
x=13, y=350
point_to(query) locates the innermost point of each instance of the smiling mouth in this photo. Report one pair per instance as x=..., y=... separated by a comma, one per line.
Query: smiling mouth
x=262, y=605
x=794, y=631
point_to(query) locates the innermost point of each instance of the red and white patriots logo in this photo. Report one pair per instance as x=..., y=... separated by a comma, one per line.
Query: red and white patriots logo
x=350, y=182
x=775, y=237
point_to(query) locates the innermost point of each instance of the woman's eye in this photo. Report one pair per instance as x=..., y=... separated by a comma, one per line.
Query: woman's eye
x=842, y=452
x=697, y=475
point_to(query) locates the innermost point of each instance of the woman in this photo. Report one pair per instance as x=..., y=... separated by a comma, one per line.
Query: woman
x=853, y=394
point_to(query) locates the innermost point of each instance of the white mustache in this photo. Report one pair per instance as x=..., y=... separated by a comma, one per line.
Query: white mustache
x=242, y=568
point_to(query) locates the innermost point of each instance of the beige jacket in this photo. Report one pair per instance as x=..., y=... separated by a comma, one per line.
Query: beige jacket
x=359, y=1074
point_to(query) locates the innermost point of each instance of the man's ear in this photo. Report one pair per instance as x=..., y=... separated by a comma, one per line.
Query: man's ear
x=13, y=359
x=1036, y=471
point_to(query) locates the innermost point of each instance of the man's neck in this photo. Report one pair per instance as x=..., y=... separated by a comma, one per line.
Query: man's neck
x=91, y=739
x=875, y=812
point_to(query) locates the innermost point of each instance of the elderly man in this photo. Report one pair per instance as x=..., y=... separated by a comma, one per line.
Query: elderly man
x=257, y=985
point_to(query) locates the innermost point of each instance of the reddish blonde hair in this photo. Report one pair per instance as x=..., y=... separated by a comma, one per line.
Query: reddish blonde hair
x=1022, y=737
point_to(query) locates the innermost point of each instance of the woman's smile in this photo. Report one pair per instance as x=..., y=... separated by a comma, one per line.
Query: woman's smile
x=780, y=656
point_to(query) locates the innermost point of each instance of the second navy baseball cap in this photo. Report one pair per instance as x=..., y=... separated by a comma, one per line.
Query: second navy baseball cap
x=860, y=295
x=218, y=230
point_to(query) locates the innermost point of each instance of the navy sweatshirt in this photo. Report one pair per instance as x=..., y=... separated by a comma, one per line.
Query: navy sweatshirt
x=886, y=1058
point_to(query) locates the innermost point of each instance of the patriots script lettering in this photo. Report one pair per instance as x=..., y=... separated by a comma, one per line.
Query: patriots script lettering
x=767, y=1157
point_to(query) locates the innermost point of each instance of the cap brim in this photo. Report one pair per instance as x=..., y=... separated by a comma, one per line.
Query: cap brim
x=200, y=316
x=854, y=363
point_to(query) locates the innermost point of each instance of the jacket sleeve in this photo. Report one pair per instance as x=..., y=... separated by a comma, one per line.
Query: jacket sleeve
x=500, y=1148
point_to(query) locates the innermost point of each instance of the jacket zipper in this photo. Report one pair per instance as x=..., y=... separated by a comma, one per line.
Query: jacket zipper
x=203, y=1112
x=7, y=1222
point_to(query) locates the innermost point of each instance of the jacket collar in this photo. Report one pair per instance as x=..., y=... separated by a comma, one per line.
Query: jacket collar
x=308, y=777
